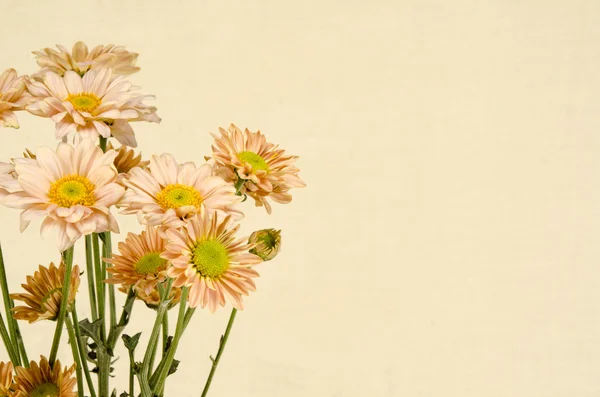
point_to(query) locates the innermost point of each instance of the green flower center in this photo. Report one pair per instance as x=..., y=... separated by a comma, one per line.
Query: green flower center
x=210, y=257
x=72, y=190
x=177, y=195
x=84, y=102
x=150, y=263
x=257, y=162
x=45, y=390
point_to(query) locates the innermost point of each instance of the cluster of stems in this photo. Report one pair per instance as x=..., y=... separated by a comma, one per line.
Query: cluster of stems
x=99, y=353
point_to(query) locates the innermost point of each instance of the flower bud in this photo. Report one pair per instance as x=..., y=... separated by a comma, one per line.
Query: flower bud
x=268, y=243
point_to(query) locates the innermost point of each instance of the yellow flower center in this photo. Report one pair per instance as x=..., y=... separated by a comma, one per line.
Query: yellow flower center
x=150, y=263
x=84, y=101
x=45, y=390
x=72, y=190
x=257, y=162
x=177, y=195
x=210, y=257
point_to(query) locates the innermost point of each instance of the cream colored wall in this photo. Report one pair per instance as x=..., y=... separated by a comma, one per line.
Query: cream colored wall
x=447, y=243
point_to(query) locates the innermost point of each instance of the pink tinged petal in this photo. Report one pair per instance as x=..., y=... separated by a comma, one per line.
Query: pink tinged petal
x=47, y=225
x=87, y=225
x=109, y=195
x=37, y=187
x=102, y=128
x=123, y=133
x=73, y=82
x=63, y=240
x=164, y=169
x=103, y=175
x=113, y=225
x=56, y=84
x=9, y=119
x=72, y=232
x=65, y=127
x=49, y=162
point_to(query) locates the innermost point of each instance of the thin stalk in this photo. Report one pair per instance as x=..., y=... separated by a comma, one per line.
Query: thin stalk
x=89, y=263
x=143, y=376
x=103, y=372
x=115, y=331
x=82, y=353
x=76, y=357
x=107, y=253
x=100, y=290
x=222, y=344
x=7, y=342
x=165, y=329
x=103, y=142
x=13, y=327
x=68, y=259
x=131, y=374
x=174, y=343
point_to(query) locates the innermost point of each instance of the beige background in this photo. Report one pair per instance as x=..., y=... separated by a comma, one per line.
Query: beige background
x=447, y=243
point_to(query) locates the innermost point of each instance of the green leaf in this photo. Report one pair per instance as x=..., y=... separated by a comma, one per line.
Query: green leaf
x=131, y=342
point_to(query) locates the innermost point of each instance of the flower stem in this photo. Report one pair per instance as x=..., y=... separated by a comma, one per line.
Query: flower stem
x=100, y=290
x=165, y=329
x=103, y=142
x=115, y=331
x=74, y=346
x=90, y=276
x=68, y=259
x=174, y=343
x=131, y=374
x=222, y=344
x=143, y=376
x=82, y=353
x=7, y=342
x=107, y=253
x=13, y=325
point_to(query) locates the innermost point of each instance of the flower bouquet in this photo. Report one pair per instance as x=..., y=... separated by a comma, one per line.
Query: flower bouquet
x=186, y=255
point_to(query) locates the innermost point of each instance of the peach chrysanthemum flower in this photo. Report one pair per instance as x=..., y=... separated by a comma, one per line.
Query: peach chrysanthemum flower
x=97, y=104
x=152, y=300
x=206, y=257
x=72, y=188
x=139, y=263
x=44, y=293
x=13, y=96
x=45, y=381
x=168, y=193
x=6, y=379
x=81, y=60
x=265, y=170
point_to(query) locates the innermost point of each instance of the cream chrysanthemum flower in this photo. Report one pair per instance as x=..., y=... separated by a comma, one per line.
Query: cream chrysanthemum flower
x=126, y=159
x=72, y=187
x=6, y=379
x=81, y=60
x=206, y=257
x=265, y=170
x=139, y=263
x=45, y=381
x=13, y=96
x=168, y=193
x=44, y=293
x=97, y=104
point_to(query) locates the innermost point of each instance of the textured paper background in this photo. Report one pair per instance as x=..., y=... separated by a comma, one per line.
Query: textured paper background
x=447, y=243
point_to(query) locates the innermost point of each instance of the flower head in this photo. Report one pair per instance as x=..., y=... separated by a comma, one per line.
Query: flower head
x=81, y=60
x=206, y=257
x=152, y=299
x=97, y=104
x=140, y=263
x=265, y=170
x=126, y=159
x=167, y=193
x=45, y=381
x=267, y=243
x=72, y=188
x=6, y=379
x=13, y=96
x=44, y=293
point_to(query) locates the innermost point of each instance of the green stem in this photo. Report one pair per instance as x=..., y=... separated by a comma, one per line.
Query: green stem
x=222, y=344
x=90, y=276
x=7, y=342
x=165, y=329
x=103, y=142
x=83, y=353
x=107, y=253
x=100, y=290
x=74, y=344
x=103, y=371
x=174, y=343
x=68, y=259
x=131, y=374
x=115, y=331
x=13, y=326
x=143, y=376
